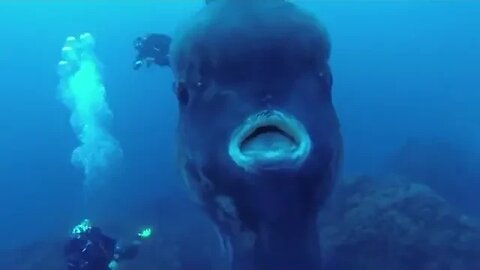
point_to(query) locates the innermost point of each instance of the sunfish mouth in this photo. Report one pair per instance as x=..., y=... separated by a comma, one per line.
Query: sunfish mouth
x=269, y=140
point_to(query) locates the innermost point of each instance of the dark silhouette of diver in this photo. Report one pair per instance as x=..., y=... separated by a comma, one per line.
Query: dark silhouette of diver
x=152, y=48
x=89, y=249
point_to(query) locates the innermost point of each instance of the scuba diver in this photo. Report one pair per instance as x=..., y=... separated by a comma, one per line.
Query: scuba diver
x=152, y=48
x=89, y=249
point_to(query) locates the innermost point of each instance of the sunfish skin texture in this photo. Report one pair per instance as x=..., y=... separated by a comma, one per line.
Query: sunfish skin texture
x=259, y=141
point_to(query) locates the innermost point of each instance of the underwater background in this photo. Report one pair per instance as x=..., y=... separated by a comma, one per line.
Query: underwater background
x=406, y=88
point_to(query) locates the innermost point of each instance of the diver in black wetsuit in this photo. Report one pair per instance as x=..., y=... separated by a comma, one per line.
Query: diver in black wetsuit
x=90, y=249
x=152, y=48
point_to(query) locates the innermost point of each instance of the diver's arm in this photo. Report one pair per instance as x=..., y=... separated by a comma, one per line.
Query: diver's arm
x=163, y=61
x=131, y=251
x=128, y=252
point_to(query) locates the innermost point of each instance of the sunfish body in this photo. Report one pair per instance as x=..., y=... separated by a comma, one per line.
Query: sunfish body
x=259, y=141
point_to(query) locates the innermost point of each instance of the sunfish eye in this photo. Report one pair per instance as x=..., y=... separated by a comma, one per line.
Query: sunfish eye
x=181, y=91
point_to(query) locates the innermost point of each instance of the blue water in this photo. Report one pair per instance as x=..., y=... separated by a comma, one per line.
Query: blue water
x=402, y=70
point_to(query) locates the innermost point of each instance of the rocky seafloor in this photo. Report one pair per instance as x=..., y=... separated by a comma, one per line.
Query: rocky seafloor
x=371, y=223
x=392, y=223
